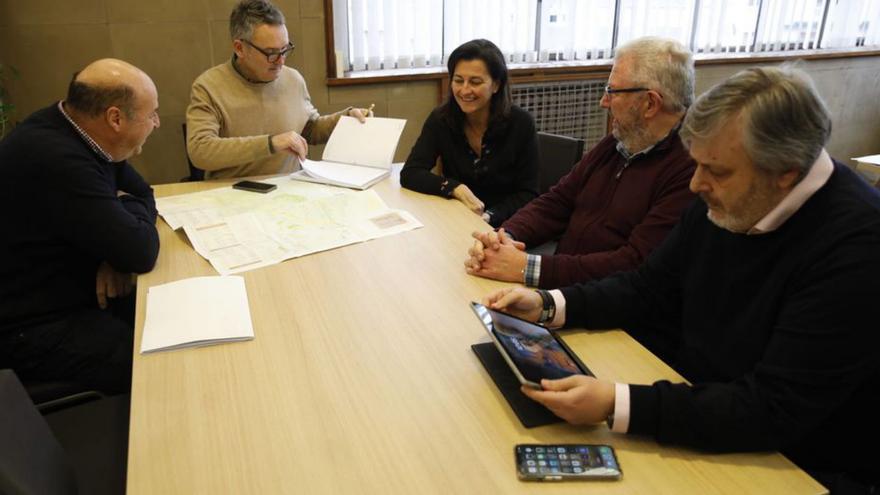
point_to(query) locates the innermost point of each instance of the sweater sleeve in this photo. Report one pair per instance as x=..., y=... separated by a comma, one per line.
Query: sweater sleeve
x=138, y=198
x=416, y=173
x=546, y=217
x=318, y=131
x=526, y=170
x=650, y=294
x=671, y=199
x=206, y=148
x=89, y=214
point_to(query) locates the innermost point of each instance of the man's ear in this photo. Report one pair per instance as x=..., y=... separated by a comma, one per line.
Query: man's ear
x=113, y=116
x=653, y=103
x=238, y=48
x=787, y=180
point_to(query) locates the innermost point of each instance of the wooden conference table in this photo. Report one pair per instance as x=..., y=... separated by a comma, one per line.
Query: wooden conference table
x=361, y=380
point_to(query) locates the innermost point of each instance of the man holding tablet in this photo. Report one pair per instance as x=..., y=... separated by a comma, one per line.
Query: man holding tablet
x=761, y=290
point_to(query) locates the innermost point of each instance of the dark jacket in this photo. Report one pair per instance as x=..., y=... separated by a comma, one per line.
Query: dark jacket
x=61, y=217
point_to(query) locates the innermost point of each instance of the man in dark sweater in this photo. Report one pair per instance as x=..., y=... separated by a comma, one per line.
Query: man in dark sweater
x=77, y=220
x=767, y=282
x=624, y=196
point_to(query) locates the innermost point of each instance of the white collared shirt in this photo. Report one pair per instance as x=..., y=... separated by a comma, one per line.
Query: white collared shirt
x=818, y=175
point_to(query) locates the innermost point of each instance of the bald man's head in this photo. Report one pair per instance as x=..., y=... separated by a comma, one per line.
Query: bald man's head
x=116, y=104
x=107, y=83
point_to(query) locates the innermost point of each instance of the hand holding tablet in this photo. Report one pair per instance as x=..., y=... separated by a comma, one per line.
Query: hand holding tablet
x=532, y=351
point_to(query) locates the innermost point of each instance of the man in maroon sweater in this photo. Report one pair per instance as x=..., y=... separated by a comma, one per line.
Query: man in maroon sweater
x=623, y=197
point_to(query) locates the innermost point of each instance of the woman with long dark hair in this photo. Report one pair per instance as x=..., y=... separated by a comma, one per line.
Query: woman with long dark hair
x=485, y=146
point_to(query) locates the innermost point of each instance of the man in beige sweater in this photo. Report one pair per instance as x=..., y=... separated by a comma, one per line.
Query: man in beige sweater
x=253, y=115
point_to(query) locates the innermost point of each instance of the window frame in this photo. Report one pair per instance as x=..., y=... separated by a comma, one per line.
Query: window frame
x=556, y=71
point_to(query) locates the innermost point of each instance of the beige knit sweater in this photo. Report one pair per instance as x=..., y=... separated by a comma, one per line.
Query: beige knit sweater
x=229, y=121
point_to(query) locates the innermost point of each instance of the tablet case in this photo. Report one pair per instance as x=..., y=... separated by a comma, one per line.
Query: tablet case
x=529, y=412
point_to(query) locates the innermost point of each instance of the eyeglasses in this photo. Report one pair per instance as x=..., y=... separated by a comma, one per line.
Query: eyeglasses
x=610, y=91
x=273, y=56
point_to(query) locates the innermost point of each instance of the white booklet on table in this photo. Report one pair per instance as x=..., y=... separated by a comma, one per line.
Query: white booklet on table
x=357, y=155
x=195, y=312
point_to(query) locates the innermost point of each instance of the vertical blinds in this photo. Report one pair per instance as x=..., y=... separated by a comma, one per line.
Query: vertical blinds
x=394, y=34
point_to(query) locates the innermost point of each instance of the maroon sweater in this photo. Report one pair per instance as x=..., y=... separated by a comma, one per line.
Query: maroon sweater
x=609, y=215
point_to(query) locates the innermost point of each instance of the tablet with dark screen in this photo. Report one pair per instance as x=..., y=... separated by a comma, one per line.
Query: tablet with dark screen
x=532, y=351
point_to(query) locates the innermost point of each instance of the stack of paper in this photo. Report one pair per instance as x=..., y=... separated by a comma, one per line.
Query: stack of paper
x=358, y=154
x=195, y=312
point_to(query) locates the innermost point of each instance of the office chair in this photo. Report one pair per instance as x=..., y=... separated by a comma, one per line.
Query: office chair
x=49, y=396
x=558, y=155
x=195, y=174
x=31, y=459
x=79, y=449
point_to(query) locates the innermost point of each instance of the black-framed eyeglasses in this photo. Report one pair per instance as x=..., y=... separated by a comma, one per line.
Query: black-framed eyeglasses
x=273, y=56
x=610, y=91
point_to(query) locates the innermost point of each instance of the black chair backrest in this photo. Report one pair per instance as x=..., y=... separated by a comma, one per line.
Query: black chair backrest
x=31, y=459
x=195, y=174
x=49, y=396
x=558, y=155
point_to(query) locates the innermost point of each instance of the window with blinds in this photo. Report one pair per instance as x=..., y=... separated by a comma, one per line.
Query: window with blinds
x=414, y=34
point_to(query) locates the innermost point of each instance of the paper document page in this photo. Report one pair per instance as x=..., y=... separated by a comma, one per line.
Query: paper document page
x=341, y=173
x=196, y=311
x=371, y=143
x=330, y=223
x=238, y=244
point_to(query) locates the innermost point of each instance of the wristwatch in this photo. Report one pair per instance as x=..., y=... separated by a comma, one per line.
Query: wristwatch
x=548, y=310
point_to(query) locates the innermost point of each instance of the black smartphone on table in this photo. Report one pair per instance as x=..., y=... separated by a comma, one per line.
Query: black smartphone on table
x=566, y=462
x=254, y=186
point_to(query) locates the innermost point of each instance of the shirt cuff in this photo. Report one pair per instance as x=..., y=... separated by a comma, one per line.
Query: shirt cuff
x=532, y=271
x=559, y=300
x=621, y=408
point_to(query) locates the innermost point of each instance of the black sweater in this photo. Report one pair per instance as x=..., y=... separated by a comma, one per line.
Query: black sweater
x=777, y=332
x=505, y=177
x=60, y=217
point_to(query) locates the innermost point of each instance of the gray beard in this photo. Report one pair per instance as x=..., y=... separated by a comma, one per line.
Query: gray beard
x=749, y=210
x=634, y=139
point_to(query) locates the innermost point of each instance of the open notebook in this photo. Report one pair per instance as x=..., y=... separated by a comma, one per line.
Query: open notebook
x=195, y=312
x=357, y=155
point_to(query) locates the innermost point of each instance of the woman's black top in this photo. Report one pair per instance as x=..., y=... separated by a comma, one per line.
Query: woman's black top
x=504, y=177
